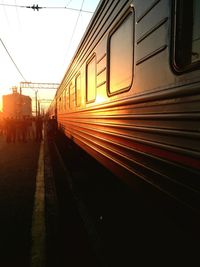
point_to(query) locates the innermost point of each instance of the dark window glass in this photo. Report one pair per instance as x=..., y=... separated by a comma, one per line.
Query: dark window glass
x=59, y=106
x=187, y=35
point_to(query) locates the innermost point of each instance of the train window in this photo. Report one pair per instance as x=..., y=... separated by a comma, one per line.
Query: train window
x=78, y=90
x=120, y=55
x=62, y=102
x=71, y=95
x=67, y=97
x=186, y=50
x=91, y=80
x=59, y=106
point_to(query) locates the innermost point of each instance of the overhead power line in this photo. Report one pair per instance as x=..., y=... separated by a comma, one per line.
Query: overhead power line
x=12, y=60
x=36, y=7
x=74, y=30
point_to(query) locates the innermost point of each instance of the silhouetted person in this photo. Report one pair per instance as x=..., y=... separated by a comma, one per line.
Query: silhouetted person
x=8, y=130
x=51, y=128
x=19, y=129
x=12, y=130
x=39, y=127
x=24, y=128
x=33, y=129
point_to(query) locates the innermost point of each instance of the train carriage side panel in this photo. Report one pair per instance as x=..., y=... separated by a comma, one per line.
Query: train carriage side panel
x=144, y=127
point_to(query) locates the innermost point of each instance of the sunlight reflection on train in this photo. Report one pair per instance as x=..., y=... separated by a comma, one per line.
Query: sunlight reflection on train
x=100, y=99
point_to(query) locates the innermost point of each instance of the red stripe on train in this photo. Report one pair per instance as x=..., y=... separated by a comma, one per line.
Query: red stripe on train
x=168, y=155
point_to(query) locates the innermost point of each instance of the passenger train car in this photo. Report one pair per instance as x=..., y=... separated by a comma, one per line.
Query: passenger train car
x=131, y=95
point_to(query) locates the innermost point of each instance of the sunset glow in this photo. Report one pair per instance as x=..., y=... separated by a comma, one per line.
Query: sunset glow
x=41, y=43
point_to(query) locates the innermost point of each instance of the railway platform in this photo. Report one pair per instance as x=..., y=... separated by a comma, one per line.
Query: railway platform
x=18, y=170
x=48, y=220
x=31, y=222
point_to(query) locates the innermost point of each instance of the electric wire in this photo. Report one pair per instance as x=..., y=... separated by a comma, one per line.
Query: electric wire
x=74, y=30
x=75, y=26
x=36, y=7
x=12, y=59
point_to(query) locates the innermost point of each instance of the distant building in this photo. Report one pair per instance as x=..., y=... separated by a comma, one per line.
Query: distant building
x=17, y=105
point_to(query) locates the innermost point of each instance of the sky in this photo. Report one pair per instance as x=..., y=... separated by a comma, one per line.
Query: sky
x=41, y=43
